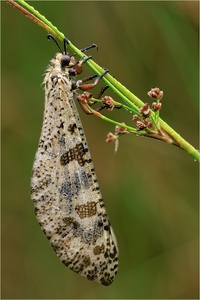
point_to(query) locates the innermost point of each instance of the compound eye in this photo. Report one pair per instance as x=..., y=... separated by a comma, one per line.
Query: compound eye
x=65, y=60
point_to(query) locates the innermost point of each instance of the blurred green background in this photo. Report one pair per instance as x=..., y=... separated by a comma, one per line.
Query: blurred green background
x=150, y=189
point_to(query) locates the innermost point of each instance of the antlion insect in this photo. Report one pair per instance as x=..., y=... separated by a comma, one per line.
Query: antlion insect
x=68, y=203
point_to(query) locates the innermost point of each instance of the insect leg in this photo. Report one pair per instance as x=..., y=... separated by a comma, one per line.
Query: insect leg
x=85, y=87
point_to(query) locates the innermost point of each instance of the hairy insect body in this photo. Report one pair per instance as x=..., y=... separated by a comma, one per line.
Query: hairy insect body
x=68, y=203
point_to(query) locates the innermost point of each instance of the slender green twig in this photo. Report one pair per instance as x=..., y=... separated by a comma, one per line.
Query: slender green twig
x=161, y=129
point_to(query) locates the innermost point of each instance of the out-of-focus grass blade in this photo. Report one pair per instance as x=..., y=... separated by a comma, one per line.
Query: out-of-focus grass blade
x=179, y=34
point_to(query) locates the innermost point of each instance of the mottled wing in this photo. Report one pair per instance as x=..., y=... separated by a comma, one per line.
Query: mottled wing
x=65, y=191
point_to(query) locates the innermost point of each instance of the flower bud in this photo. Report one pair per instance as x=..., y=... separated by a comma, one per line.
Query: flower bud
x=120, y=130
x=108, y=102
x=136, y=118
x=140, y=125
x=156, y=106
x=155, y=93
x=145, y=110
x=111, y=137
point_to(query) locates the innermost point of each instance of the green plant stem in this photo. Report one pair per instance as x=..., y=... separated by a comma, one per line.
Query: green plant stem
x=99, y=115
x=129, y=98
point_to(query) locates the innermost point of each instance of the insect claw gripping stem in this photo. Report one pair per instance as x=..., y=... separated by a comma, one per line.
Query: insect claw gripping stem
x=87, y=58
x=106, y=71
